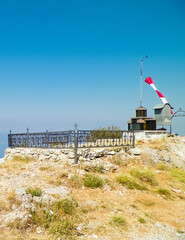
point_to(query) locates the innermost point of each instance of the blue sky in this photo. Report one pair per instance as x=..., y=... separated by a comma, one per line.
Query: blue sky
x=71, y=61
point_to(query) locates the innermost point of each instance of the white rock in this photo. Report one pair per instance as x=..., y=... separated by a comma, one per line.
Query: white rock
x=79, y=228
x=135, y=151
x=158, y=225
x=176, y=190
x=94, y=236
x=39, y=230
x=45, y=152
x=71, y=155
x=111, y=153
x=1, y=160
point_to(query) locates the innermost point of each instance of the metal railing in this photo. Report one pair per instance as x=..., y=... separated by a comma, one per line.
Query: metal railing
x=73, y=139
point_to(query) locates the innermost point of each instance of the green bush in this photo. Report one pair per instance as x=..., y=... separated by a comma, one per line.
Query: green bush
x=178, y=173
x=145, y=175
x=164, y=192
x=118, y=221
x=93, y=181
x=95, y=169
x=59, y=218
x=34, y=191
x=141, y=220
x=68, y=205
x=129, y=182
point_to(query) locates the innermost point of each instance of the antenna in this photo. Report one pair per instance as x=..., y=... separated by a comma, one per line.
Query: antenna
x=141, y=76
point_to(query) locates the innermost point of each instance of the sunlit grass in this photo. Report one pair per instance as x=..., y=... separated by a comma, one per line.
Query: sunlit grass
x=178, y=173
x=145, y=175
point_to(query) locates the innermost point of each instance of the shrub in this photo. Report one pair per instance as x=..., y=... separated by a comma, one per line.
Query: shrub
x=164, y=192
x=93, y=181
x=178, y=173
x=34, y=192
x=141, y=220
x=145, y=175
x=98, y=169
x=162, y=166
x=68, y=205
x=76, y=181
x=95, y=169
x=129, y=182
x=59, y=218
x=118, y=221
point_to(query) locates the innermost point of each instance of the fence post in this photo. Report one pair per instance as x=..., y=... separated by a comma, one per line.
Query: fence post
x=10, y=139
x=133, y=140
x=27, y=137
x=75, y=143
x=47, y=139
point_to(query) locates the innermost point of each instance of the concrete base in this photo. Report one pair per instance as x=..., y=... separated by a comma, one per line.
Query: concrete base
x=150, y=134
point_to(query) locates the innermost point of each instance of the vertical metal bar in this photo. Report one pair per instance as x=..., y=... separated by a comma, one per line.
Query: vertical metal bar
x=133, y=140
x=10, y=139
x=47, y=138
x=75, y=144
x=27, y=137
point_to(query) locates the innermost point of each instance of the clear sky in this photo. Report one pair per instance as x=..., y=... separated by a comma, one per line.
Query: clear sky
x=71, y=61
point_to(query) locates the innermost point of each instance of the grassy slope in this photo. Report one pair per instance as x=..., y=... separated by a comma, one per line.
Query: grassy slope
x=131, y=199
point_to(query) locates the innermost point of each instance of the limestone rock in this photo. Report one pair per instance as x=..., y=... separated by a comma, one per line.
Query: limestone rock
x=135, y=151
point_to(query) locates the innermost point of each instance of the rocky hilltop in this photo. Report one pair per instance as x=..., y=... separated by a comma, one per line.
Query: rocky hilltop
x=110, y=194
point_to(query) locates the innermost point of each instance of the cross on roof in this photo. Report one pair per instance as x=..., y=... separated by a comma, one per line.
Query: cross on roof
x=75, y=126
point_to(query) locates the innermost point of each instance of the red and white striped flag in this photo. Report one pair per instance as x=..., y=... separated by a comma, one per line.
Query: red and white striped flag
x=162, y=98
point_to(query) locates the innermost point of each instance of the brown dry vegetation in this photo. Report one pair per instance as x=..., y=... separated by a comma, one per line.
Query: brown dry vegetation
x=111, y=208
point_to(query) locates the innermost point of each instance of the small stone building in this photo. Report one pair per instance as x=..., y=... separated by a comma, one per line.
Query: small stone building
x=162, y=114
x=141, y=121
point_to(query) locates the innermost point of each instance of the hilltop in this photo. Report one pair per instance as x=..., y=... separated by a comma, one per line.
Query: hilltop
x=136, y=194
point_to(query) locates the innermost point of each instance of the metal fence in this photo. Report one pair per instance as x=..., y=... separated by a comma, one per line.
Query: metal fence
x=73, y=139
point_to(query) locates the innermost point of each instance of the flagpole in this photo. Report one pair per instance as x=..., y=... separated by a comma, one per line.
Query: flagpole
x=141, y=78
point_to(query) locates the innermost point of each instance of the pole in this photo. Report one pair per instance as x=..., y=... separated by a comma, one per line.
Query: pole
x=27, y=139
x=75, y=143
x=141, y=79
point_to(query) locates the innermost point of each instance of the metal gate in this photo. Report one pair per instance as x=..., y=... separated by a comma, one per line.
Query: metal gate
x=73, y=139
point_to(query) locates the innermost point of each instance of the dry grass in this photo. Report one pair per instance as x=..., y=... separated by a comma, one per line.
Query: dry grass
x=162, y=166
x=103, y=211
x=53, y=174
x=179, y=174
x=7, y=202
x=93, y=181
x=17, y=162
x=118, y=221
x=159, y=144
x=129, y=182
x=145, y=175
x=165, y=193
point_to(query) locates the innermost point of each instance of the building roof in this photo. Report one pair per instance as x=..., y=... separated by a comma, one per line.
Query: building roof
x=141, y=108
x=144, y=118
x=161, y=106
x=141, y=121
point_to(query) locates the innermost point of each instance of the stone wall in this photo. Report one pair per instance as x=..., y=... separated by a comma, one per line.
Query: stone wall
x=62, y=155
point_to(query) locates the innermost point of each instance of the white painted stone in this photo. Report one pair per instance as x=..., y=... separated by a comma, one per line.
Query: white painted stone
x=111, y=153
x=135, y=151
